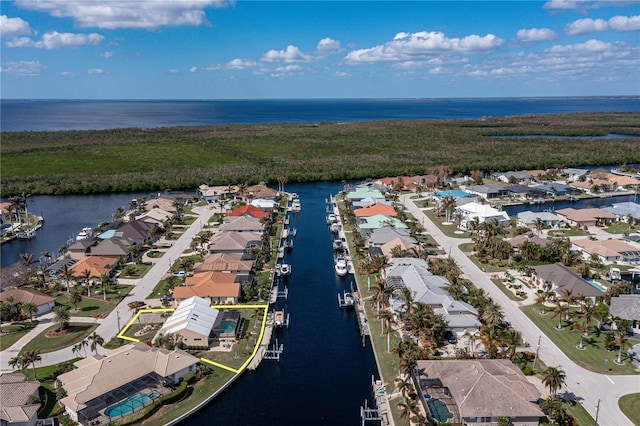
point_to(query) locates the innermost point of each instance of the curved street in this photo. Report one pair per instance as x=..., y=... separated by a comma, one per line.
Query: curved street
x=110, y=326
x=592, y=387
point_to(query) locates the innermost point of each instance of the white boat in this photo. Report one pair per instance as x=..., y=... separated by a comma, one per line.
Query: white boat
x=285, y=269
x=338, y=244
x=26, y=235
x=335, y=228
x=285, y=233
x=84, y=234
x=347, y=299
x=278, y=318
x=331, y=218
x=341, y=265
x=295, y=206
x=280, y=252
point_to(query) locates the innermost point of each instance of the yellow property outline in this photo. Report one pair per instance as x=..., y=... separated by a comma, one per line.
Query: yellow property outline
x=233, y=370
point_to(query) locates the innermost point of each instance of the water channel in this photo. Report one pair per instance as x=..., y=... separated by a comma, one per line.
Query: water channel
x=325, y=372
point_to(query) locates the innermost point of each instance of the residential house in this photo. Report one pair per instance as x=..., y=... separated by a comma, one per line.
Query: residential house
x=520, y=239
x=404, y=245
x=623, y=182
x=480, y=212
x=368, y=201
x=586, y=217
x=554, y=188
x=136, y=231
x=375, y=209
x=627, y=306
x=379, y=221
x=625, y=210
x=574, y=174
x=608, y=251
x=247, y=210
x=214, y=194
x=247, y=223
x=431, y=290
x=19, y=400
x=476, y=392
x=264, y=204
x=488, y=191
x=261, y=191
x=96, y=265
x=161, y=203
x=217, y=287
x=225, y=262
x=548, y=220
x=560, y=279
x=523, y=192
x=101, y=380
x=156, y=217
x=193, y=320
x=114, y=248
x=424, y=181
x=81, y=249
x=43, y=302
x=595, y=185
x=235, y=242
x=509, y=177
x=378, y=237
x=362, y=192
x=397, y=183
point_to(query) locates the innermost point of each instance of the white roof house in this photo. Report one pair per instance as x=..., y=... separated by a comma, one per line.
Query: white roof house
x=483, y=212
x=193, y=320
x=528, y=218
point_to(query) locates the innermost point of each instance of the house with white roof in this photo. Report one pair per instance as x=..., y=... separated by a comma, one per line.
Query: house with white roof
x=624, y=210
x=549, y=220
x=481, y=212
x=430, y=289
x=193, y=320
x=17, y=396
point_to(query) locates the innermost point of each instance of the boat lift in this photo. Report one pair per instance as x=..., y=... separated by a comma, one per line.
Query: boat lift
x=274, y=352
x=280, y=320
x=346, y=300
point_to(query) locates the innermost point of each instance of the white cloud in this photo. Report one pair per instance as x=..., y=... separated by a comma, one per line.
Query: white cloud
x=68, y=74
x=234, y=64
x=582, y=5
x=291, y=54
x=535, y=34
x=586, y=26
x=95, y=71
x=328, y=46
x=112, y=14
x=423, y=45
x=54, y=40
x=286, y=71
x=28, y=68
x=588, y=46
x=174, y=71
x=107, y=54
x=11, y=26
x=625, y=23
x=341, y=74
x=193, y=69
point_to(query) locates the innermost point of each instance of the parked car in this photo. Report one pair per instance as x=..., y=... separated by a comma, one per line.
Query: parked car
x=180, y=274
x=451, y=338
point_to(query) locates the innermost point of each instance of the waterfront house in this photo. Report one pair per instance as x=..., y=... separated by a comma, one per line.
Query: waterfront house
x=367, y=202
x=261, y=191
x=136, y=231
x=375, y=209
x=625, y=210
x=18, y=296
x=488, y=191
x=378, y=237
x=510, y=177
x=247, y=223
x=217, y=287
x=404, y=246
x=560, y=279
x=156, y=217
x=115, y=248
x=81, y=249
x=214, y=194
x=244, y=243
x=431, y=290
x=424, y=181
x=595, y=185
x=192, y=320
x=476, y=392
x=161, y=203
x=264, y=204
x=548, y=220
x=96, y=265
x=247, y=210
x=482, y=212
x=573, y=173
x=554, y=188
x=586, y=217
x=397, y=183
x=523, y=192
x=99, y=381
x=379, y=221
x=623, y=182
x=362, y=192
x=225, y=262
x=608, y=251
x=17, y=396
x=627, y=307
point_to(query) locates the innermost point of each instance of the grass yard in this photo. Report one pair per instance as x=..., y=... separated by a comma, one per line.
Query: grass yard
x=581, y=416
x=15, y=331
x=140, y=271
x=630, y=406
x=569, y=232
x=510, y=294
x=593, y=357
x=76, y=333
x=95, y=306
x=619, y=228
x=448, y=230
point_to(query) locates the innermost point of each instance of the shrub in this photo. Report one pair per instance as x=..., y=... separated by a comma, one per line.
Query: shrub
x=527, y=371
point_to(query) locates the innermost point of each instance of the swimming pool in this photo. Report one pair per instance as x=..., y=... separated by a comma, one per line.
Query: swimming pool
x=130, y=404
x=597, y=285
x=228, y=326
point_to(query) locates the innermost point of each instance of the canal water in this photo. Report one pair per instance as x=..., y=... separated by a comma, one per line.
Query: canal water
x=324, y=374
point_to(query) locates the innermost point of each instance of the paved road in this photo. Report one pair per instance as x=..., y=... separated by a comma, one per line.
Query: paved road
x=118, y=318
x=590, y=386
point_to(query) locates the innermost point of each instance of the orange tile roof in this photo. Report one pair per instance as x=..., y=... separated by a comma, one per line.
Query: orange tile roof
x=248, y=209
x=374, y=209
x=214, y=277
x=97, y=265
x=208, y=289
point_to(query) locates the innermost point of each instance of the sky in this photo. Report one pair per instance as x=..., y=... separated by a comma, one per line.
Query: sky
x=214, y=49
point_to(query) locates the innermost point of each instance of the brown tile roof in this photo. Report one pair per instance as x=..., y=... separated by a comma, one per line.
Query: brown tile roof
x=261, y=191
x=585, y=215
x=605, y=248
x=519, y=239
x=96, y=265
x=26, y=295
x=404, y=245
x=485, y=387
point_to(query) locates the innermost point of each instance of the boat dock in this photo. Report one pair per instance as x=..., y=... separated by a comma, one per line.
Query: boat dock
x=264, y=344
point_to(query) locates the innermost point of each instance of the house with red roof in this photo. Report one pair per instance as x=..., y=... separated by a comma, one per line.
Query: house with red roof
x=375, y=209
x=248, y=210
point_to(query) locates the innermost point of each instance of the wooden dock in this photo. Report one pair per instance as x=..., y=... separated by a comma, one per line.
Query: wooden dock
x=264, y=344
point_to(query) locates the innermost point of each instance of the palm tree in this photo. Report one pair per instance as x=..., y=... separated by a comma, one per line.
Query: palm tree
x=61, y=316
x=407, y=408
x=538, y=225
x=387, y=319
x=86, y=274
x=104, y=283
x=75, y=298
x=30, y=358
x=554, y=378
x=492, y=314
x=407, y=297
x=96, y=340
x=16, y=362
x=67, y=275
x=560, y=311
x=381, y=295
x=28, y=309
x=404, y=386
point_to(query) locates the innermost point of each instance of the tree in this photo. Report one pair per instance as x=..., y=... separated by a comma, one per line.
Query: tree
x=407, y=408
x=75, y=298
x=28, y=309
x=554, y=378
x=61, y=316
x=96, y=340
x=104, y=283
x=404, y=386
x=561, y=312
x=30, y=358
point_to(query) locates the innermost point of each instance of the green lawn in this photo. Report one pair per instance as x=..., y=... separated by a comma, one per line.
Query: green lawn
x=77, y=332
x=570, y=232
x=593, y=357
x=619, y=228
x=95, y=306
x=630, y=406
x=466, y=247
x=448, y=230
x=510, y=294
x=141, y=270
x=16, y=331
x=581, y=416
